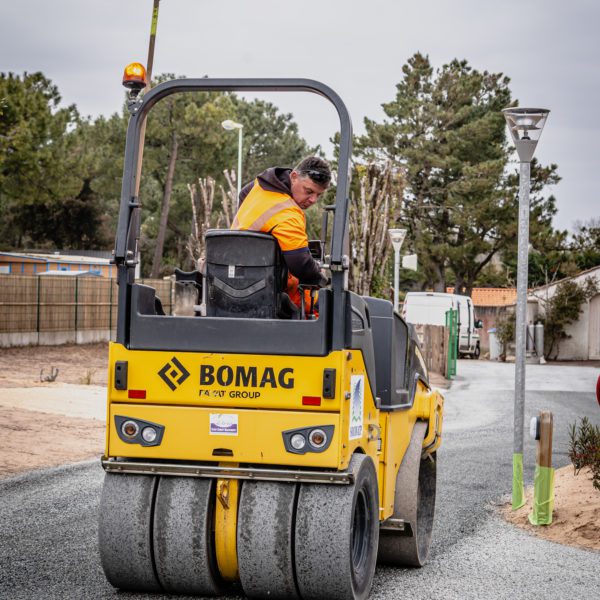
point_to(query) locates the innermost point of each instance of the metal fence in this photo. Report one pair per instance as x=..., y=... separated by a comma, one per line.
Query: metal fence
x=43, y=303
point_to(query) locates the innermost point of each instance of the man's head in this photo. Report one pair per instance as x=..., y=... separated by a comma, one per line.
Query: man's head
x=308, y=180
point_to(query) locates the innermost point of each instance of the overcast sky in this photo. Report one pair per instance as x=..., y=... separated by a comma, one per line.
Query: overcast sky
x=549, y=48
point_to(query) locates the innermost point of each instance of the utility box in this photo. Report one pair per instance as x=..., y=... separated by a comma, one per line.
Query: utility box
x=495, y=345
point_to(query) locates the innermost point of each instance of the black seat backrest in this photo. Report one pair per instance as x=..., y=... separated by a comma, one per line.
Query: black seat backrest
x=244, y=274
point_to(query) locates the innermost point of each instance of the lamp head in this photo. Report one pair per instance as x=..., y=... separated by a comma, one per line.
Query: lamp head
x=230, y=125
x=397, y=237
x=525, y=125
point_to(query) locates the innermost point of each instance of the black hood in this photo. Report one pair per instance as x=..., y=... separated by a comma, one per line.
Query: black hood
x=276, y=179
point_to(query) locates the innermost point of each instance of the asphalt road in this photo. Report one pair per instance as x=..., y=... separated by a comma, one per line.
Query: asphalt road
x=48, y=519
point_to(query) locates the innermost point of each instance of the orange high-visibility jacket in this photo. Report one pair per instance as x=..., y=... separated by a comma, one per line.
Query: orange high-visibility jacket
x=275, y=213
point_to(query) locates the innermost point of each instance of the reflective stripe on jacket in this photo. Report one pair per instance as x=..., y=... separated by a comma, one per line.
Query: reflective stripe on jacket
x=275, y=213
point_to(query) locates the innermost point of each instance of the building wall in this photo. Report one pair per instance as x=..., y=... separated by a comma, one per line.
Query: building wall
x=489, y=316
x=576, y=346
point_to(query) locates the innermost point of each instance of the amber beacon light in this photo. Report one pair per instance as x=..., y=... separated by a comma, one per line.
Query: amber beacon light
x=134, y=77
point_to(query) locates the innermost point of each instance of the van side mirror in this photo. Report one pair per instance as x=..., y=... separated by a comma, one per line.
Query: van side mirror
x=478, y=324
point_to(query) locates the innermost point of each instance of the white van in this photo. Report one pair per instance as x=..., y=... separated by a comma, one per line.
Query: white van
x=429, y=308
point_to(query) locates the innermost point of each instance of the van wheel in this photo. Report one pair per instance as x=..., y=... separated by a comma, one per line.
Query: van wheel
x=477, y=352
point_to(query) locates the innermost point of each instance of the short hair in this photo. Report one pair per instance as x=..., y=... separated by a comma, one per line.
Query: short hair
x=316, y=169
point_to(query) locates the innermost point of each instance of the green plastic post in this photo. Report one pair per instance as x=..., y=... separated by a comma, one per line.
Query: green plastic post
x=518, y=490
x=543, y=496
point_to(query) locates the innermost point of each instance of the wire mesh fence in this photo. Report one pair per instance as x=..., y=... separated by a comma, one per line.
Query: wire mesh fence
x=43, y=303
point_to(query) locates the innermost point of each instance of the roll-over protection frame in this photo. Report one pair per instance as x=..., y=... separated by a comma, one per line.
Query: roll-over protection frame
x=333, y=329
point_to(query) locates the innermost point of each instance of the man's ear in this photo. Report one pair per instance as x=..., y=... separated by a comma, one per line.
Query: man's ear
x=293, y=175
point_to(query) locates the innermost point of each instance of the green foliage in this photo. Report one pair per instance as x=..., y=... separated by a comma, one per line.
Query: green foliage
x=584, y=449
x=562, y=309
x=585, y=247
x=60, y=174
x=39, y=184
x=445, y=129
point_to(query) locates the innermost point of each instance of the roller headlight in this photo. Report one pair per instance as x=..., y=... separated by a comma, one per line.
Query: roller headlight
x=317, y=438
x=308, y=439
x=130, y=429
x=149, y=434
x=298, y=441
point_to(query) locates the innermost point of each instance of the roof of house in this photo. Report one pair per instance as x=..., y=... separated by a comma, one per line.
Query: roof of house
x=56, y=257
x=491, y=296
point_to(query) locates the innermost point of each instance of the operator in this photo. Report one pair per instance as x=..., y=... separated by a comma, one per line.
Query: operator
x=275, y=203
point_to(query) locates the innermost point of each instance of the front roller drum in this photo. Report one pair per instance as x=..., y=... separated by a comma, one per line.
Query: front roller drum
x=414, y=503
x=183, y=536
x=125, y=532
x=265, y=539
x=337, y=531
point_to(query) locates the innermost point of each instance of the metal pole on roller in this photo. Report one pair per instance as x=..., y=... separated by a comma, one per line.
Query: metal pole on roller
x=150, y=61
x=149, y=64
x=397, y=238
x=525, y=125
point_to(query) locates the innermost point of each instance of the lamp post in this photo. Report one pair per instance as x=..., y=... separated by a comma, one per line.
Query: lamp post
x=525, y=125
x=397, y=237
x=230, y=125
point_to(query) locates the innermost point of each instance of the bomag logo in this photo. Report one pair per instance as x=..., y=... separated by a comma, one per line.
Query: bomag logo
x=173, y=373
x=247, y=377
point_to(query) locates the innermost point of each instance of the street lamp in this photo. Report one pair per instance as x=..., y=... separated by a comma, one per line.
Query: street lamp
x=230, y=125
x=397, y=237
x=525, y=125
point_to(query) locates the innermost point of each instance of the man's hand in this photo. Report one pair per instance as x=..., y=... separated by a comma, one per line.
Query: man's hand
x=325, y=280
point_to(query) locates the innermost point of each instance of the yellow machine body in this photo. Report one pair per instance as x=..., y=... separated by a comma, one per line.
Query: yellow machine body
x=262, y=396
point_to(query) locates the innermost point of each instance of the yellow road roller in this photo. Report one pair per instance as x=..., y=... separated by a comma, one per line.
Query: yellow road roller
x=287, y=456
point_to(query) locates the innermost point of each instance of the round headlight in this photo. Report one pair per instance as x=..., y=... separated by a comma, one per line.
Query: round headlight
x=130, y=429
x=317, y=438
x=298, y=441
x=149, y=434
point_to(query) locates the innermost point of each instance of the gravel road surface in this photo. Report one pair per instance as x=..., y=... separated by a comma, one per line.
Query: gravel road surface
x=48, y=519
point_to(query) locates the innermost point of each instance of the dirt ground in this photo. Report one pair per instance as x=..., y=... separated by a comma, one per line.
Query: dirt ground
x=576, y=517
x=36, y=440
x=22, y=367
x=46, y=424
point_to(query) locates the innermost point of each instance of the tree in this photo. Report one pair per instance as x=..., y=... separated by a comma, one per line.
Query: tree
x=202, y=197
x=585, y=247
x=59, y=173
x=34, y=144
x=371, y=210
x=446, y=131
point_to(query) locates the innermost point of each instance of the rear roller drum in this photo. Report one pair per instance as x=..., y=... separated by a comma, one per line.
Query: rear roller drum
x=265, y=539
x=183, y=536
x=125, y=532
x=415, y=504
x=337, y=530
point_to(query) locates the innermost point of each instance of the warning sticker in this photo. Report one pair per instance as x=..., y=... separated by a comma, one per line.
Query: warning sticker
x=223, y=424
x=357, y=403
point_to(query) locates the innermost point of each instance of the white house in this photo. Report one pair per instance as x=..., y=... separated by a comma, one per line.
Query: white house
x=584, y=340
